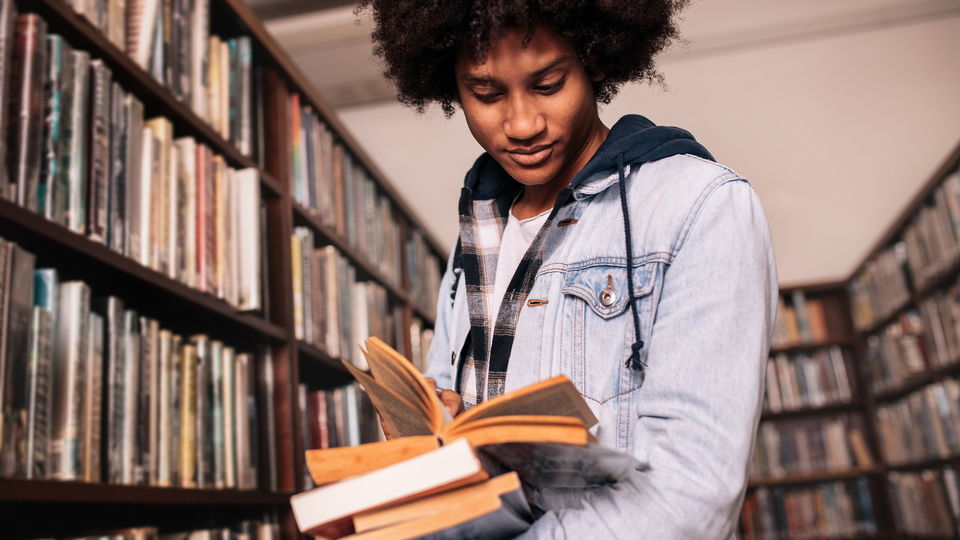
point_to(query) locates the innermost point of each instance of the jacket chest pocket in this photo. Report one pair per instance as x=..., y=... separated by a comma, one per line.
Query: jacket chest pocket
x=597, y=326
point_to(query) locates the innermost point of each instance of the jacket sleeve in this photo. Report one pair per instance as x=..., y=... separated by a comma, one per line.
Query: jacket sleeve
x=700, y=402
x=438, y=357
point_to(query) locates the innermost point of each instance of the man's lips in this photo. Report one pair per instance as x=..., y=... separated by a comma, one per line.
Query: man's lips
x=531, y=157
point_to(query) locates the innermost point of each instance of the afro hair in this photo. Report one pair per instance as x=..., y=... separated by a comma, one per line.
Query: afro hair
x=419, y=41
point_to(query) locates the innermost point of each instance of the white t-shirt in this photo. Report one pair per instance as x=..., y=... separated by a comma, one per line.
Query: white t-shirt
x=516, y=239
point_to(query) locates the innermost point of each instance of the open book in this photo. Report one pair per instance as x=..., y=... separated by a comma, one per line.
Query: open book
x=551, y=411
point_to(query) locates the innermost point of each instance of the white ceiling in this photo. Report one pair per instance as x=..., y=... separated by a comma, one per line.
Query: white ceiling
x=837, y=111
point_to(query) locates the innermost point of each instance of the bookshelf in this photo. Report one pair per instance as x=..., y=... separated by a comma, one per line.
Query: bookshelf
x=903, y=336
x=266, y=333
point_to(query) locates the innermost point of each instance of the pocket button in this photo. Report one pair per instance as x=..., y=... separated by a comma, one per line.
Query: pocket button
x=607, y=297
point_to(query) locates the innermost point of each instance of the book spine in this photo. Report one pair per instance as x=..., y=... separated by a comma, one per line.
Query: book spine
x=188, y=417
x=216, y=416
x=132, y=177
x=38, y=385
x=68, y=381
x=228, y=387
x=265, y=389
x=240, y=417
x=98, y=137
x=116, y=207
x=129, y=409
x=164, y=409
x=172, y=206
x=202, y=417
x=233, y=93
x=75, y=134
x=8, y=16
x=199, y=43
x=92, y=399
x=245, y=106
x=52, y=125
x=13, y=375
x=250, y=244
x=151, y=361
x=27, y=104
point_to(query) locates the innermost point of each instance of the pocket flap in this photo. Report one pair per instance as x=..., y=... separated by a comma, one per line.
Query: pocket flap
x=603, y=287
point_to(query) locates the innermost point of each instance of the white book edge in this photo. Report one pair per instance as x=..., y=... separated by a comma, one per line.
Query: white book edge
x=445, y=465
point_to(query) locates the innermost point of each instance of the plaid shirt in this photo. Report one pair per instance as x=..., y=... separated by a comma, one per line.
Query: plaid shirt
x=484, y=360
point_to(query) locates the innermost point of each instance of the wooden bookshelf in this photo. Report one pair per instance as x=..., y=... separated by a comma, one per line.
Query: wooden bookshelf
x=828, y=409
x=187, y=311
x=812, y=347
x=812, y=478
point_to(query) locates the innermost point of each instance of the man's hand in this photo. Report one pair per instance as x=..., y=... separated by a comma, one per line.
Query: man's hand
x=450, y=399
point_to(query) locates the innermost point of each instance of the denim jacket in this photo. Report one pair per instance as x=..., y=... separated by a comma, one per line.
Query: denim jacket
x=704, y=283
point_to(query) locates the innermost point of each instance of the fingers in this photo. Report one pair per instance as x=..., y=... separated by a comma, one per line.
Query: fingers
x=451, y=400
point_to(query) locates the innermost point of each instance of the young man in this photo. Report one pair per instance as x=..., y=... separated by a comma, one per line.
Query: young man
x=622, y=257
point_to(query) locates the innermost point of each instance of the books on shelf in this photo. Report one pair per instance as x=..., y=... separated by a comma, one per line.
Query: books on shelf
x=95, y=392
x=941, y=325
x=926, y=502
x=897, y=353
x=88, y=159
x=803, y=320
x=931, y=236
x=922, y=425
x=172, y=41
x=335, y=418
x=810, y=445
x=421, y=336
x=424, y=271
x=332, y=310
x=834, y=509
x=333, y=185
x=807, y=380
x=265, y=527
x=880, y=288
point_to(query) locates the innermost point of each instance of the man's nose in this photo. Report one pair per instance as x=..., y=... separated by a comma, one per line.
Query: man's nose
x=523, y=120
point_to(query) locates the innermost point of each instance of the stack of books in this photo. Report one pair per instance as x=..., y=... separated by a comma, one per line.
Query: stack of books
x=483, y=474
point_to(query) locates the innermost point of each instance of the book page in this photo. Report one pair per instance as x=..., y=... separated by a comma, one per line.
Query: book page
x=553, y=397
x=394, y=370
x=402, y=417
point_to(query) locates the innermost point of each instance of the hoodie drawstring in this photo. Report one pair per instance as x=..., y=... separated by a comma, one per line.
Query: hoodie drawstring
x=633, y=362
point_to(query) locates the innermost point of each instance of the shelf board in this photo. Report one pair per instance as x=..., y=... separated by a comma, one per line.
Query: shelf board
x=833, y=408
x=810, y=347
x=811, y=478
x=917, y=382
x=365, y=269
x=928, y=463
x=157, y=99
x=54, y=243
x=49, y=491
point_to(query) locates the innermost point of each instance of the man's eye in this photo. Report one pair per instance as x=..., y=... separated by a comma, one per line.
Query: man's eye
x=487, y=98
x=549, y=88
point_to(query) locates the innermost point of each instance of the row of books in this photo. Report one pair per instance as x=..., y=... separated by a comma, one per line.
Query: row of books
x=929, y=246
x=95, y=392
x=421, y=337
x=924, y=424
x=95, y=165
x=804, y=380
x=267, y=527
x=331, y=184
x=806, y=320
x=424, y=272
x=332, y=310
x=172, y=41
x=810, y=445
x=835, y=509
x=881, y=288
x=897, y=353
x=931, y=238
x=335, y=418
x=926, y=502
x=941, y=316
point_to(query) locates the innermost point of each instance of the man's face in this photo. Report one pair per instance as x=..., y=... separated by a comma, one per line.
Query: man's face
x=531, y=107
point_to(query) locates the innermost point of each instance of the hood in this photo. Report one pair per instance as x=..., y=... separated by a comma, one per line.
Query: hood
x=633, y=140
